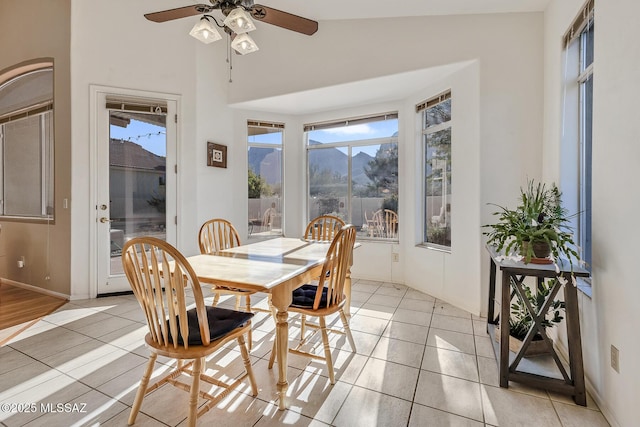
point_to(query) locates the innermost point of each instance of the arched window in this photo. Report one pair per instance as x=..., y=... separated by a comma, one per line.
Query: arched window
x=26, y=141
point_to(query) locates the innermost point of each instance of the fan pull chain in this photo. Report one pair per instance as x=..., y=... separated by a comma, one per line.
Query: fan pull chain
x=229, y=57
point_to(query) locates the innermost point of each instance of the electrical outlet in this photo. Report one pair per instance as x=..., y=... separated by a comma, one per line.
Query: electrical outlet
x=395, y=257
x=615, y=358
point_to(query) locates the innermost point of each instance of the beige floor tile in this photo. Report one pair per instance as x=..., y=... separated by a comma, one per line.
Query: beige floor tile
x=359, y=296
x=69, y=314
x=448, y=362
x=76, y=318
x=167, y=404
x=367, y=286
x=416, y=305
x=451, y=340
x=313, y=396
x=91, y=408
x=346, y=366
x=365, y=342
x=106, y=367
x=423, y=416
x=451, y=323
x=572, y=415
x=28, y=376
x=449, y=394
x=406, y=332
x=389, y=378
x=384, y=300
x=368, y=324
x=488, y=371
x=375, y=310
x=565, y=398
x=414, y=294
x=79, y=355
x=447, y=309
x=237, y=409
x=393, y=290
x=50, y=342
x=12, y=359
x=506, y=408
x=413, y=317
x=98, y=329
x=484, y=346
x=59, y=389
x=480, y=328
x=276, y=418
x=128, y=337
x=402, y=352
x=142, y=420
x=380, y=384
x=366, y=408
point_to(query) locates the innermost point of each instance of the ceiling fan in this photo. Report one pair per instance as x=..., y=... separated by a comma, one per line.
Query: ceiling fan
x=258, y=12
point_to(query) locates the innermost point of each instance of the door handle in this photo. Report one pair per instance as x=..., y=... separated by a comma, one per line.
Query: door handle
x=105, y=220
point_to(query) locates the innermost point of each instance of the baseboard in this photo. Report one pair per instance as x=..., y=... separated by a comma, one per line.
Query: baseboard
x=34, y=289
x=564, y=354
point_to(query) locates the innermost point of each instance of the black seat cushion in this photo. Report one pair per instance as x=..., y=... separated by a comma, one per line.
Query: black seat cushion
x=221, y=322
x=304, y=296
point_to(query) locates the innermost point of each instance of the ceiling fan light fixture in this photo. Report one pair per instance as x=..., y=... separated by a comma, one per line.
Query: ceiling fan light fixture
x=239, y=21
x=205, y=31
x=244, y=44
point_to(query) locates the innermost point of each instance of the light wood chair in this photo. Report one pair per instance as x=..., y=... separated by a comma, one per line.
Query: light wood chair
x=217, y=235
x=160, y=277
x=326, y=298
x=390, y=224
x=323, y=228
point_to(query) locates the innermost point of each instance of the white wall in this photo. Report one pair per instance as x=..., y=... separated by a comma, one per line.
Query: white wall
x=611, y=316
x=112, y=45
x=498, y=101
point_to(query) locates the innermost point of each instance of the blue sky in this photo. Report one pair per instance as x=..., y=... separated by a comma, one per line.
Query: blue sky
x=151, y=137
x=380, y=129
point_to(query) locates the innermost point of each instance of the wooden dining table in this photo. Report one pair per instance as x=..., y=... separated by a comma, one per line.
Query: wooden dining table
x=276, y=266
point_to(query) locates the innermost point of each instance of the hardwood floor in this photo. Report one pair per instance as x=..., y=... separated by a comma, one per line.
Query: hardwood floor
x=21, y=308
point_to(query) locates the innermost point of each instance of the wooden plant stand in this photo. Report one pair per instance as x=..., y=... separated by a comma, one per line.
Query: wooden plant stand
x=513, y=276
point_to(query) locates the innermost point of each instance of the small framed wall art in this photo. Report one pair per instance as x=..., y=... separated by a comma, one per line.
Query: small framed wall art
x=216, y=155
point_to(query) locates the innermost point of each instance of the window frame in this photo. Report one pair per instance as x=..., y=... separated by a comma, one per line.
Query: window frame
x=348, y=146
x=278, y=146
x=577, y=127
x=44, y=110
x=425, y=131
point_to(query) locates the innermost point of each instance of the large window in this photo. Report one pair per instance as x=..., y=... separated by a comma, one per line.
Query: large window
x=265, y=142
x=352, y=173
x=577, y=124
x=26, y=142
x=436, y=146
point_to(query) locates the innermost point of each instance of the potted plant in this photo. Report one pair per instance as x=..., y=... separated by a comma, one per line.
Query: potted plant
x=538, y=221
x=521, y=321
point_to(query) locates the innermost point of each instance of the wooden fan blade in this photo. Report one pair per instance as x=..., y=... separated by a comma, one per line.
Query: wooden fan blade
x=180, y=12
x=284, y=19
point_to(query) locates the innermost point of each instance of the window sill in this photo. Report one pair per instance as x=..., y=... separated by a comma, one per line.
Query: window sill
x=584, y=286
x=434, y=248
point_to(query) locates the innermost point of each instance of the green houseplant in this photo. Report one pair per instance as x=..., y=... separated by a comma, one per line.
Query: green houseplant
x=538, y=220
x=521, y=320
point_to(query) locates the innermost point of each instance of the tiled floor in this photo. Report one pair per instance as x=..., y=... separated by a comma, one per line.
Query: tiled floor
x=419, y=362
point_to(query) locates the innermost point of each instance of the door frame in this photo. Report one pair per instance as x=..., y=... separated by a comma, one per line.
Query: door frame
x=95, y=95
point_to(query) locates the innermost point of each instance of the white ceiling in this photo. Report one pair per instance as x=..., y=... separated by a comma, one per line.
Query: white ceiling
x=363, y=92
x=384, y=88
x=321, y=10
